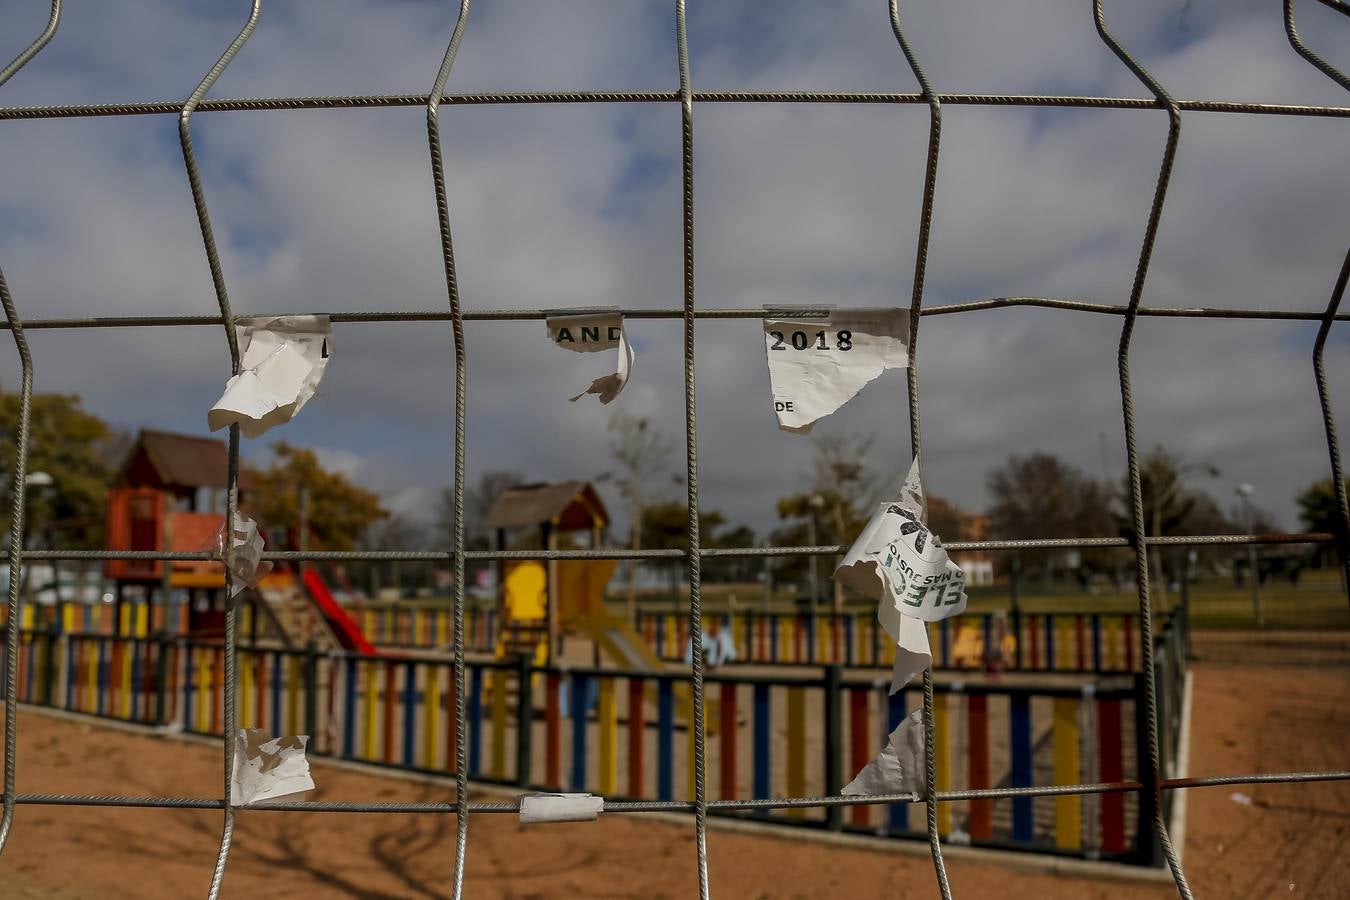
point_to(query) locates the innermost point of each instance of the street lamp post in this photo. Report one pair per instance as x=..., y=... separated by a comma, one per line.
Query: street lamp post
x=39, y=480
x=817, y=503
x=1244, y=491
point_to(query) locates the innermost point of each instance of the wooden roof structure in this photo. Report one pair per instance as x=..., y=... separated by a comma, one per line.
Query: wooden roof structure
x=176, y=462
x=566, y=505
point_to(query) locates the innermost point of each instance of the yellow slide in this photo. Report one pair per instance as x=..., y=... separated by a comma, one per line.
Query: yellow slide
x=581, y=609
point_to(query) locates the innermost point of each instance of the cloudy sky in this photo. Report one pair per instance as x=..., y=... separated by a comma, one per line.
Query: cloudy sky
x=558, y=206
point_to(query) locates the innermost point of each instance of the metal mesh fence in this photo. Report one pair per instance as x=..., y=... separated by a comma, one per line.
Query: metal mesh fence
x=463, y=808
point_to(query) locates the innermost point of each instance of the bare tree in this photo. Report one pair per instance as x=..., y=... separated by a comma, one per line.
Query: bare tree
x=478, y=499
x=839, y=501
x=1169, y=503
x=1041, y=496
x=841, y=471
x=641, y=454
x=393, y=533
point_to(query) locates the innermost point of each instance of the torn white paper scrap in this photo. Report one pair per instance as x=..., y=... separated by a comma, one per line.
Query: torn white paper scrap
x=560, y=808
x=241, y=552
x=900, y=563
x=912, y=652
x=899, y=768
x=591, y=334
x=818, y=365
x=266, y=768
x=282, y=359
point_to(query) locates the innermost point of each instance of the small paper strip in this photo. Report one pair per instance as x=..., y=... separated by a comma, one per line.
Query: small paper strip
x=900, y=767
x=592, y=334
x=282, y=360
x=241, y=553
x=560, y=808
x=265, y=768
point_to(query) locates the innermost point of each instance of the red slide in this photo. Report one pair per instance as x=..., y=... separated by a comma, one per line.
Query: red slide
x=344, y=628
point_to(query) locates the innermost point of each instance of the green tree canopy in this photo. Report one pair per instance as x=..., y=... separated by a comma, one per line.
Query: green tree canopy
x=1041, y=496
x=339, y=512
x=1318, y=509
x=70, y=445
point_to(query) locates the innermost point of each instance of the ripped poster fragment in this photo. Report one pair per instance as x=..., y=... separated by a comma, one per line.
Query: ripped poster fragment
x=266, y=768
x=241, y=551
x=818, y=365
x=900, y=766
x=902, y=565
x=592, y=333
x=560, y=808
x=281, y=361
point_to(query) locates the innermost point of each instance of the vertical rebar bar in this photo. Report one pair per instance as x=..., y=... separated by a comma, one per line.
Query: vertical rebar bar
x=912, y=375
x=695, y=560
x=232, y=474
x=1296, y=41
x=1342, y=532
x=15, y=604
x=457, y=517
x=1131, y=449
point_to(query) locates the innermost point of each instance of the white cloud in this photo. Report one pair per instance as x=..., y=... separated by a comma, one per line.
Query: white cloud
x=569, y=205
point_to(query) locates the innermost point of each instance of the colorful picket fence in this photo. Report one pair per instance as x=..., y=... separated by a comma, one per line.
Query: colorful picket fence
x=134, y=618
x=1051, y=642
x=627, y=734
x=423, y=627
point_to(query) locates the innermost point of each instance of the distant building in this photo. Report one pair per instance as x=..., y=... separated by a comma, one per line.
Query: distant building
x=954, y=524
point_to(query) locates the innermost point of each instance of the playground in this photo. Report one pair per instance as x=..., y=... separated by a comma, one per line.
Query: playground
x=1131, y=702
x=564, y=692
x=1288, y=835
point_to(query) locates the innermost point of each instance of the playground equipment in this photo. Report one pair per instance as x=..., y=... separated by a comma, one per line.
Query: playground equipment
x=303, y=609
x=170, y=495
x=531, y=591
x=543, y=602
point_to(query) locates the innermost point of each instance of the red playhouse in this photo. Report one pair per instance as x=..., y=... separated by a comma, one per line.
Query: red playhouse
x=169, y=495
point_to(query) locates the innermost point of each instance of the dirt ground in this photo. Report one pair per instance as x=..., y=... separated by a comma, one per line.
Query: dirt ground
x=1273, y=717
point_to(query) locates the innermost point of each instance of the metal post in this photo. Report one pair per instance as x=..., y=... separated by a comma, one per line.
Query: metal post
x=1014, y=596
x=834, y=729
x=1147, y=841
x=525, y=718
x=49, y=663
x=311, y=676
x=302, y=524
x=162, y=643
x=812, y=562
x=166, y=567
x=551, y=582
x=1253, y=564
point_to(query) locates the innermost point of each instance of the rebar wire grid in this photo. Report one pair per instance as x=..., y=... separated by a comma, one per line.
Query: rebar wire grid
x=462, y=808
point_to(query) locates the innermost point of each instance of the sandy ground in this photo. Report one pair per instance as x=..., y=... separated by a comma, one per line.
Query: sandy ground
x=1288, y=842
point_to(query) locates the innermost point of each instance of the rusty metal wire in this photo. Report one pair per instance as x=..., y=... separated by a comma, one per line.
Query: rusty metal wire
x=1150, y=791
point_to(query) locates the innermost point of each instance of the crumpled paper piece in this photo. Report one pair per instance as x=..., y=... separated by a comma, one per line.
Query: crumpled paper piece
x=818, y=365
x=592, y=333
x=265, y=768
x=560, y=808
x=242, y=554
x=901, y=765
x=902, y=565
x=282, y=360
x=716, y=650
